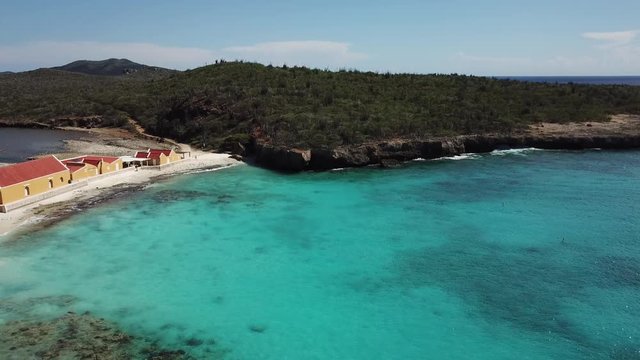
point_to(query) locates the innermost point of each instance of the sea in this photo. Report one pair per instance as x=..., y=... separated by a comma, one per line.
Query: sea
x=515, y=254
x=18, y=144
x=592, y=80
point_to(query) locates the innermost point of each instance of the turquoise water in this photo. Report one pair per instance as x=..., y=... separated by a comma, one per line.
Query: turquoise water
x=532, y=255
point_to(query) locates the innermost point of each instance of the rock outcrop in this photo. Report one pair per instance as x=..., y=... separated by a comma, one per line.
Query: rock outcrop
x=386, y=153
x=282, y=158
x=77, y=336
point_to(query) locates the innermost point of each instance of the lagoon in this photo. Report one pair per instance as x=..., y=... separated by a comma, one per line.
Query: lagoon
x=17, y=144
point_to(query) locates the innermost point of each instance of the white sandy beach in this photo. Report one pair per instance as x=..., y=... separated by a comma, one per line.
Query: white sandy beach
x=33, y=214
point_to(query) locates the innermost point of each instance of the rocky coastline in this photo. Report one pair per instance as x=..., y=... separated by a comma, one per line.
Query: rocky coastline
x=621, y=133
x=391, y=152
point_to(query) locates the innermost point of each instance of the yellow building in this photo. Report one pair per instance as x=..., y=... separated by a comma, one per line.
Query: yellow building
x=80, y=171
x=158, y=157
x=104, y=164
x=26, y=179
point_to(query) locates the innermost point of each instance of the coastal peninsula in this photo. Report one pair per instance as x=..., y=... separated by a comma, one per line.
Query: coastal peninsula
x=297, y=118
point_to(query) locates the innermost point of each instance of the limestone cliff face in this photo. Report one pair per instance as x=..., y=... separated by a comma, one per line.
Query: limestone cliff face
x=282, y=158
x=380, y=153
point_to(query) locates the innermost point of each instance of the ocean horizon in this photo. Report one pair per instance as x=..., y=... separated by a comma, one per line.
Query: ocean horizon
x=591, y=80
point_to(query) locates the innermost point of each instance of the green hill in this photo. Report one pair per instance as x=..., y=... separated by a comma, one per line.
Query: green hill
x=109, y=67
x=303, y=107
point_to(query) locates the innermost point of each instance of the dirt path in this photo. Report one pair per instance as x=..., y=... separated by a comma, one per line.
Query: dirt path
x=139, y=130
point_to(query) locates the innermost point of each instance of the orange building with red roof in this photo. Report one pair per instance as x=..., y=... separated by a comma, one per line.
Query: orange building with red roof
x=80, y=170
x=104, y=164
x=158, y=156
x=22, y=180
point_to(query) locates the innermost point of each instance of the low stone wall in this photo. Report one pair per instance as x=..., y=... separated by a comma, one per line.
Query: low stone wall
x=160, y=167
x=35, y=198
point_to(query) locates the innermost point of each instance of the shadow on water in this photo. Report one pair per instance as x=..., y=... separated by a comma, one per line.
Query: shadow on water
x=526, y=287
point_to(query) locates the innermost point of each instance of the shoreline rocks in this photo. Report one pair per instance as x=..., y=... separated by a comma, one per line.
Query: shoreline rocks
x=282, y=158
x=385, y=153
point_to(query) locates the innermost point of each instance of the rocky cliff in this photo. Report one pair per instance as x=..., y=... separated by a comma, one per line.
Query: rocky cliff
x=621, y=133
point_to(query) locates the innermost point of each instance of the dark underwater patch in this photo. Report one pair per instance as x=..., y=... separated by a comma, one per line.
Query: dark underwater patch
x=164, y=196
x=619, y=270
x=527, y=287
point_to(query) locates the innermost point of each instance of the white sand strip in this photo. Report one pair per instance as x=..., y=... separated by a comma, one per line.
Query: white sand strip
x=19, y=218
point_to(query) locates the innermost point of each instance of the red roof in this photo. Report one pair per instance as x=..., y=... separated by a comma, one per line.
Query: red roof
x=73, y=167
x=93, y=160
x=109, y=159
x=152, y=153
x=155, y=153
x=17, y=173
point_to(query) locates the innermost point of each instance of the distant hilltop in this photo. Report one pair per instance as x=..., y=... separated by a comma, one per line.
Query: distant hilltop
x=109, y=67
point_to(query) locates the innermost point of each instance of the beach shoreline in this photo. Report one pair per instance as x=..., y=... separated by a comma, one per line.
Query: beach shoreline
x=54, y=209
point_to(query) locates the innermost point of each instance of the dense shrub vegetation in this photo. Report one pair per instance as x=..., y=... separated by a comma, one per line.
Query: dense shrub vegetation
x=306, y=107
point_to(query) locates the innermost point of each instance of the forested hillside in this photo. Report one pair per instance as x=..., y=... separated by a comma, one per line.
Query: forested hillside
x=302, y=107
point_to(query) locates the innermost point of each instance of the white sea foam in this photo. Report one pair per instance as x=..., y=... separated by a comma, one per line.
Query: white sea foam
x=419, y=159
x=206, y=170
x=466, y=156
x=200, y=171
x=519, y=152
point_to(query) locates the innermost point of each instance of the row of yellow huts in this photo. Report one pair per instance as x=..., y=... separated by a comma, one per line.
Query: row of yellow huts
x=26, y=179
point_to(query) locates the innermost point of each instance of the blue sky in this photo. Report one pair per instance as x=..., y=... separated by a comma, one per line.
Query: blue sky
x=491, y=37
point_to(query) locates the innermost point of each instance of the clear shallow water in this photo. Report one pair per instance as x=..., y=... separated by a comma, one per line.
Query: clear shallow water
x=531, y=256
x=19, y=144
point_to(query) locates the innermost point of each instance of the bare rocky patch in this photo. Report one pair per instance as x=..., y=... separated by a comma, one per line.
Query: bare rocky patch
x=77, y=336
x=617, y=125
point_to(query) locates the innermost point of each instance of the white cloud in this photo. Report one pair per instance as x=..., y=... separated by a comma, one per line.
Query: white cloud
x=613, y=53
x=613, y=37
x=310, y=53
x=618, y=49
x=53, y=53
